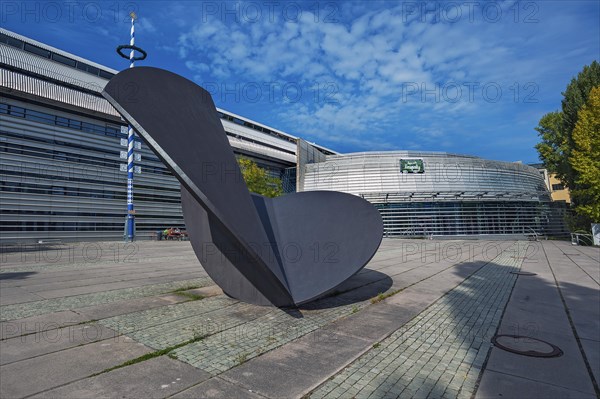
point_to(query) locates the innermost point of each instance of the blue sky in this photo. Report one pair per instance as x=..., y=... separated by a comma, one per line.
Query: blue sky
x=464, y=77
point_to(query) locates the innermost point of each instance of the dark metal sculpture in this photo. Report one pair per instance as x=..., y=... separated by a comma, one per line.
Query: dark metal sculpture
x=283, y=251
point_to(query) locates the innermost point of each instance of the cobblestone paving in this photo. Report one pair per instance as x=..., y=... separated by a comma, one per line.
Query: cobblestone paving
x=18, y=311
x=171, y=325
x=440, y=353
x=224, y=350
x=57, y=262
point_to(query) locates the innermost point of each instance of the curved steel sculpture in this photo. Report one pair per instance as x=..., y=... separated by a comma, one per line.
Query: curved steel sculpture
x=283, y=251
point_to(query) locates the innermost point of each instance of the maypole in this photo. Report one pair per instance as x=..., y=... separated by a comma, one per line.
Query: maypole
x=130, y=220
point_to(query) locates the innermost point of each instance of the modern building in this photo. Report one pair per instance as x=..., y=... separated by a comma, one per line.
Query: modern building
x=62, y=166
x=423, y=194
x=62, y=149
x=558, y=190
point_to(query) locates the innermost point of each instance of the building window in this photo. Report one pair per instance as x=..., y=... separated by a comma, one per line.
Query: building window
x=64, y=60
x=37, y=50
x=11, y=41
x=558, y=187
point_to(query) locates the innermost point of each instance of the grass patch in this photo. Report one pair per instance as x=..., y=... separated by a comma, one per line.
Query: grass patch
x=241, y=358
x=381, y=296
x=190, y=295
x=189, y=287
x=376, y=345
x=355, y=309
x=151, y=355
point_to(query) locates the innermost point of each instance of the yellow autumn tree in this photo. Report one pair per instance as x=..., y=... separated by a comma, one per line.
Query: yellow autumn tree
x=585, y=157
x=258, y=180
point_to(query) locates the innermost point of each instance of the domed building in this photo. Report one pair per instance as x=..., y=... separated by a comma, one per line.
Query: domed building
x=424, y=194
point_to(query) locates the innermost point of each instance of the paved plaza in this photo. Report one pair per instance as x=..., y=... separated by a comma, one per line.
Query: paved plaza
x=143, y=320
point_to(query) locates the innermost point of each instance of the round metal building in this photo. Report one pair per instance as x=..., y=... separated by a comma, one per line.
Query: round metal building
x=424, y=194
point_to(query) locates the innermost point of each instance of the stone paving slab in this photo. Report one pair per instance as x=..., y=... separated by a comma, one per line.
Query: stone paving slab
x=432, y=337
x=136, y=321
x=227, y=349
x=40, y=373
x=45, y=283
x=11, y=312
x=304, y=362
x=15, y=295
x=496, y=385
x=42, y=343
x=580, y=291
x=170, y=377
x=536, y=310
x=217, y=388
x=38, y=324
x=204, y=322
x=440, y=352
x=106, y=310
x=592, y=351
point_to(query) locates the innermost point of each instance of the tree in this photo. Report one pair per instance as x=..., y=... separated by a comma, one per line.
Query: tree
x=258, y=180
x=557, y=145
x=585, y=158
x=553, y=147
x=556, y=128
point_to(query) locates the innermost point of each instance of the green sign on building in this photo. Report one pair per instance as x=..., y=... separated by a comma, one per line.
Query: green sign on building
x=412, y=166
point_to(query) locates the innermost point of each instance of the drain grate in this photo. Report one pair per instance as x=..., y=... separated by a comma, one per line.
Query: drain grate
x=526, y=346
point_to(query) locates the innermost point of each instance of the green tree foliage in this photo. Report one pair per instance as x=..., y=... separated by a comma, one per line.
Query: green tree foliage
x=557, y=144
x=258, y=180
x=585, y=158
x=553, y=147
x=556, y=128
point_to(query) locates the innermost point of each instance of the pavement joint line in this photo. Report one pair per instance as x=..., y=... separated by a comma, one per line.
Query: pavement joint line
x=489, y=352
x=83, y=265
x=573, y=329
x=51, y=329
x=343, y=316
x=134, y=333
x=191, y=360
x=576, y=247
x=370, y=354
x=57, y=386
x=115, y=321
x=147, y=356
x=416, y=267
x=58, y=350
x=538, y=381
x=140, y=335
x=413, y=268
x=38, y=293
x=18, y=311
x=369, y=347
x=217, y=378
x=575, y=263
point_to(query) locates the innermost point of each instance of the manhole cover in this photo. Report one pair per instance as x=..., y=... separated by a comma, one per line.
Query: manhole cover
x=526, y=346
x=524, y=273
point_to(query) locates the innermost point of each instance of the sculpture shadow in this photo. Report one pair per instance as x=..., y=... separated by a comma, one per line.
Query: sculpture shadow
x=16, y=275
x=360, y=287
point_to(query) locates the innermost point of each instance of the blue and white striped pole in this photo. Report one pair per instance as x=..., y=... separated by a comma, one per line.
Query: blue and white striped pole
x=130, y=146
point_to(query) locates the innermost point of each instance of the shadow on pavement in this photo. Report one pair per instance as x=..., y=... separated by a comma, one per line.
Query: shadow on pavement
x=16, y=275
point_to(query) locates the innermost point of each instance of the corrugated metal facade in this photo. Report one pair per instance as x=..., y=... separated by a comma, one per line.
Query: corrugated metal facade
x=455, y=195
x=60, y=147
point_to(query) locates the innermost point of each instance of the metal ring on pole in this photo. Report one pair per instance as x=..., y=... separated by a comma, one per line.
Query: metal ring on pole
x=134, y=48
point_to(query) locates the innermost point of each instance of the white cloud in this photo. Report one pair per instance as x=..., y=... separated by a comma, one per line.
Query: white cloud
x=370, y=56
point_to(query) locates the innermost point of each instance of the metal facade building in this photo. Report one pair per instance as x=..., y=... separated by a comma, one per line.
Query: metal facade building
x=61, y=144
x=439, y=194
x=60, y=166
